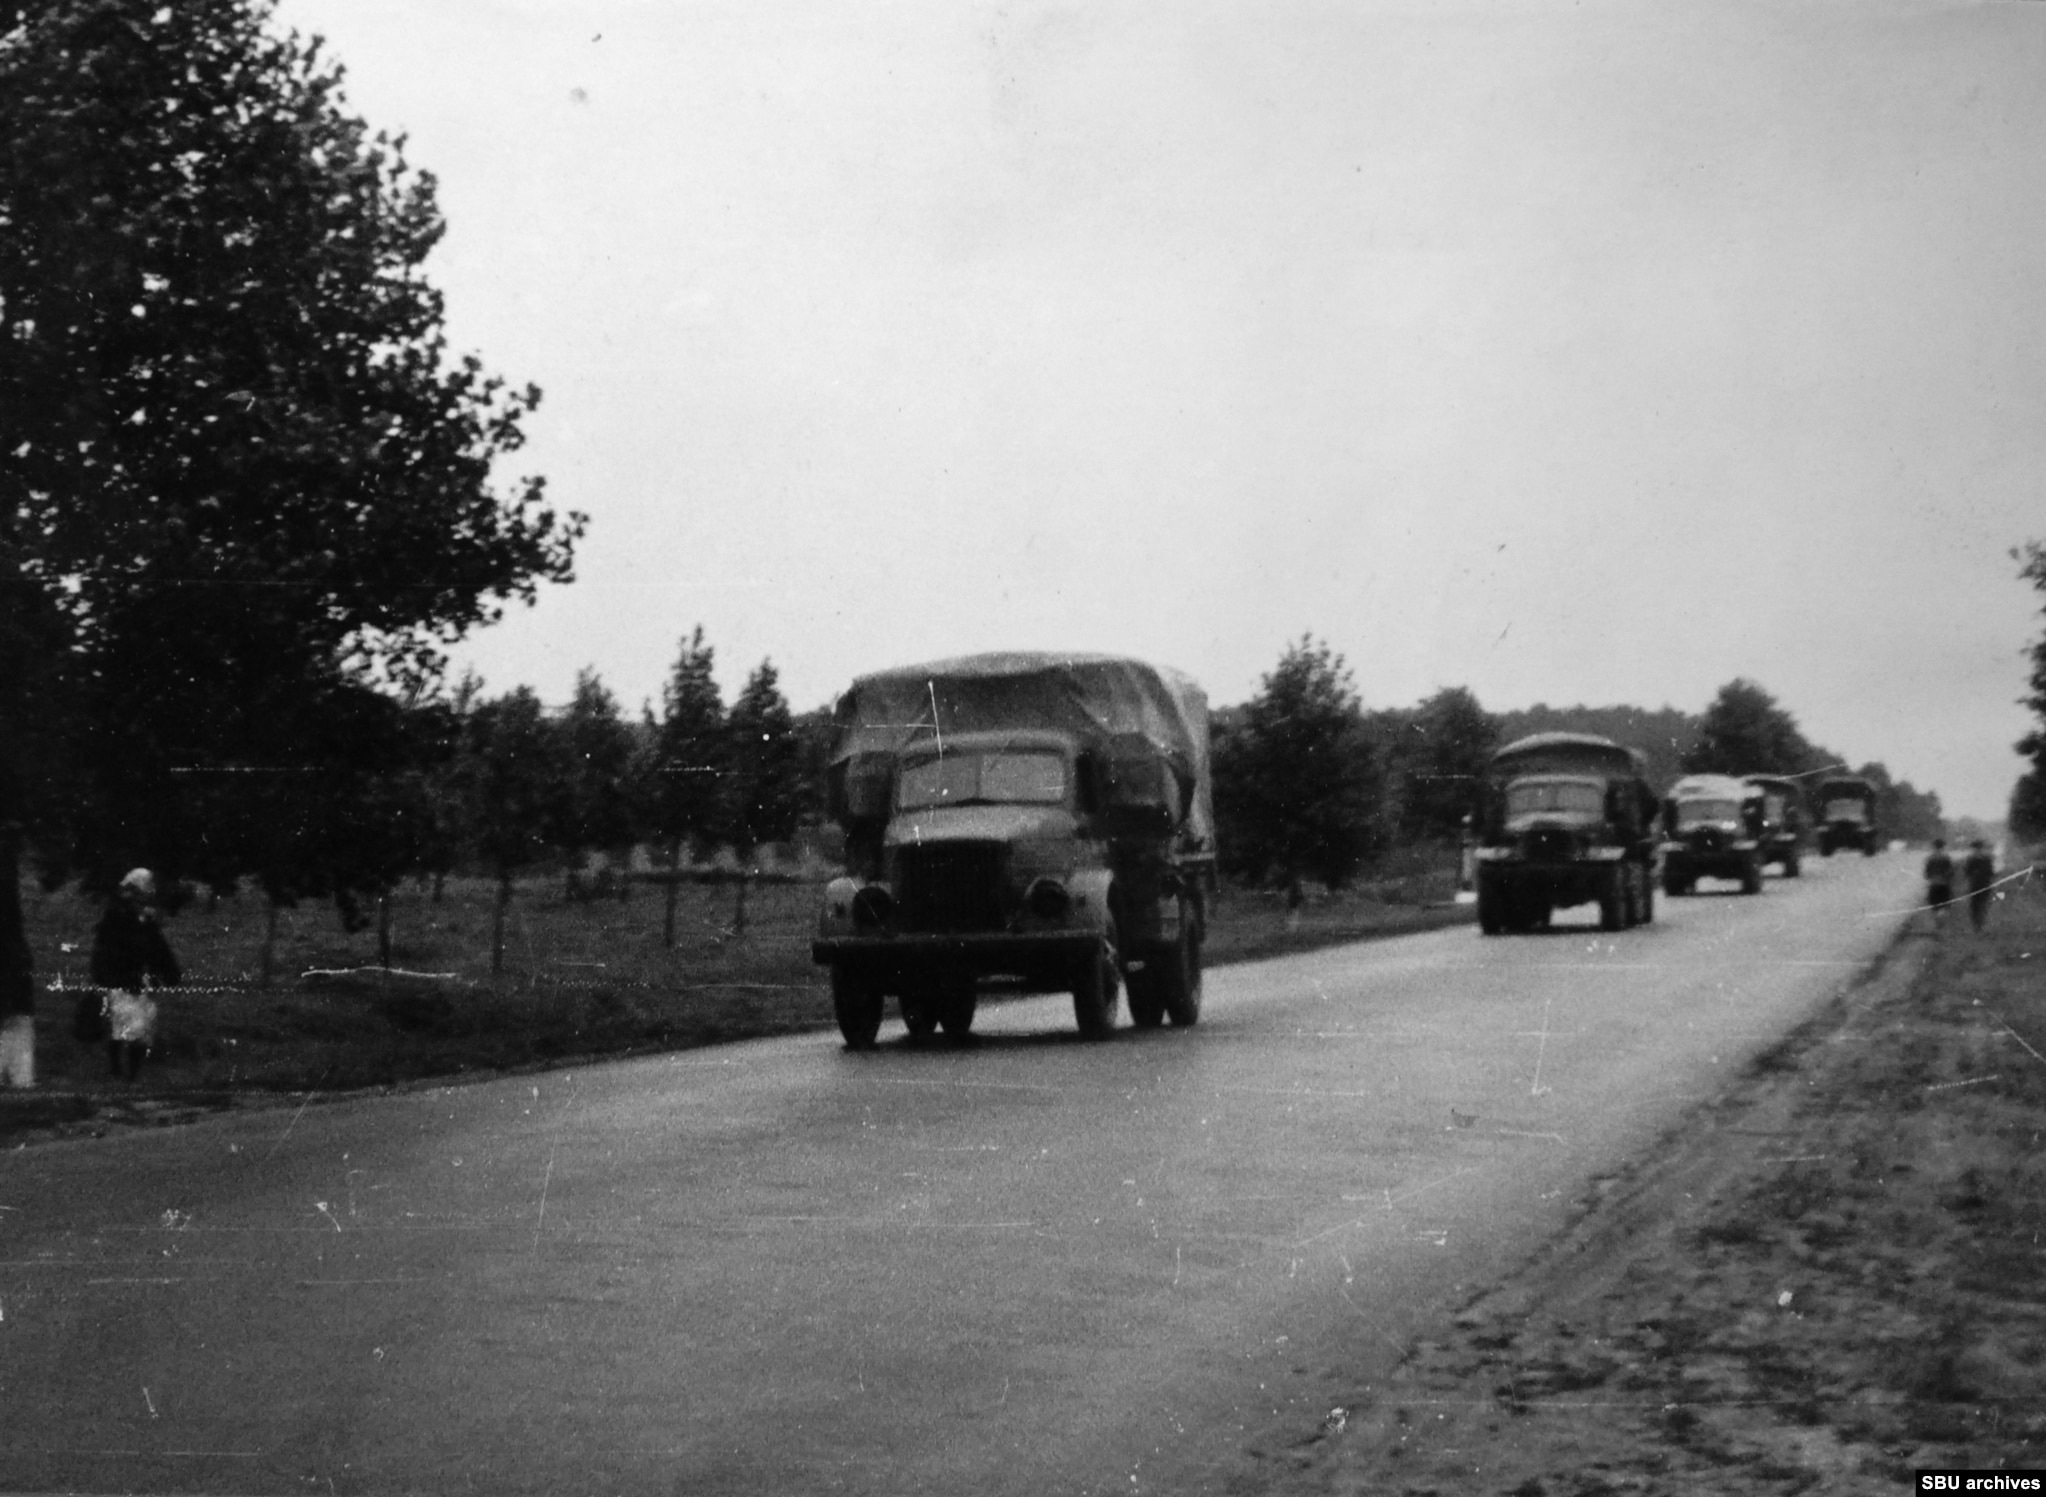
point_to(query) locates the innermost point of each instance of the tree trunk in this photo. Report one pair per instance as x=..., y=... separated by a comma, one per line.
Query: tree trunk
x=674, y=880
x=266, y=970
x=504, y=893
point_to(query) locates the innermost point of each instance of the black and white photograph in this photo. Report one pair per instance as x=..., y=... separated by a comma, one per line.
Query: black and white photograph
x=1244, y=748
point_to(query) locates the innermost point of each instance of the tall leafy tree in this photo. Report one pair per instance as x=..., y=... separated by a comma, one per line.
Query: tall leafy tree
x=1299, y=783
x=516, y=778
x=687, y=788
x=239, y=468
x=603, y=815
x=768, y=788
x=1744, y=731
x=1438, y=751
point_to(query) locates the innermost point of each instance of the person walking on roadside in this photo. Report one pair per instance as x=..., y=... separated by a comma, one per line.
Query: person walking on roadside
x=1939, y=882
x=129, y=956
x=1980, y=872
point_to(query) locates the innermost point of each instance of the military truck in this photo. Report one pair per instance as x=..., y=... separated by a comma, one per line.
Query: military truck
x=1043, y=822
x=1783, y=821
x=1713, y=827
x=1847, y=815
x=1565, y=819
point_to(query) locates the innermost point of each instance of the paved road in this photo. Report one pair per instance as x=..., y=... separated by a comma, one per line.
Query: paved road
x=1033, y=1266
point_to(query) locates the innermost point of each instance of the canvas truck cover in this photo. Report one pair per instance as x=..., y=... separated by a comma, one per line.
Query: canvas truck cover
x=1568, y=753
x=1107, y=702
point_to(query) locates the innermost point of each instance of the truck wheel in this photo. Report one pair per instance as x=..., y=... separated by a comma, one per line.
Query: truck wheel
x=1147, y=1006
x=857, y=1002
x=1672, y=885
x=956, y=1002
x=1096, y=987
x=1491, y=918
x=1179, y=975
x=1791, y=867
x=1751, y=876
x=1647, y=896
x=1612, y=901
x=921, y=1005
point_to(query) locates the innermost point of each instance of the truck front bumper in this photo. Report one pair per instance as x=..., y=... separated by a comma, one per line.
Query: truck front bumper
x=987, y=954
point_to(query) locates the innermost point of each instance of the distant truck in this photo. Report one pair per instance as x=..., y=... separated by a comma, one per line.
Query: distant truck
x=1783, y=821
x=1040, y=820
x=1847, y=815
x=1713, y=824
x=1565, y=819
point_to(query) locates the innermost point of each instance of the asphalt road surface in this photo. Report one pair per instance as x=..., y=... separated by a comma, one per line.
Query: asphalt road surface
x=1029, y=1266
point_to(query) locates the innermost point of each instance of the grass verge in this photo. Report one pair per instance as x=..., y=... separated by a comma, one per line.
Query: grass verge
x=581, y=979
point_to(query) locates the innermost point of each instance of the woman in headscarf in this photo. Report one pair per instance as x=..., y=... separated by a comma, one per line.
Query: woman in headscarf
x=130, y=956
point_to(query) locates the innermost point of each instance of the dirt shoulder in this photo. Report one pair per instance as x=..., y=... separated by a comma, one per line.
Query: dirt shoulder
x=1826, y=1279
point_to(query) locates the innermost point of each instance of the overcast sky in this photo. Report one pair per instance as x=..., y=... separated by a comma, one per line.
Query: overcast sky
x=1570, y=352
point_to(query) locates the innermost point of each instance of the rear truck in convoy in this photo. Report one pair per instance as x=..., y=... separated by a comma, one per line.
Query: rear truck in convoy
x=1713, y=828
x=1042, y=822
x=1565, y=819
x=1847, y=815
x=1783, y=821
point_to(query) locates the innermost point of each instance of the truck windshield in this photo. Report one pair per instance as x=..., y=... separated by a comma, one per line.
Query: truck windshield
x=998, y=779
x=1707, y=812
x=1528, y=797
x=1846, y=810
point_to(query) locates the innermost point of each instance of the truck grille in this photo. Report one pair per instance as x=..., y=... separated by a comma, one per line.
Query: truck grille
x=953, y=886
x=1547, y=845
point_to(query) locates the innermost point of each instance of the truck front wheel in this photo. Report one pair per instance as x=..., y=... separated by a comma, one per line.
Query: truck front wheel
x=1612, y=900
x=922, y=1002
x=1179, y=975
x=1751, y=876
x=1491, y=917
x=857, y=1002
x=957, y=1000
x=1097, y=984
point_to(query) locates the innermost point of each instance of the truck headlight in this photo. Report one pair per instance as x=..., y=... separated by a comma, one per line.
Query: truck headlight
x=872, y=907
x=1047, y=899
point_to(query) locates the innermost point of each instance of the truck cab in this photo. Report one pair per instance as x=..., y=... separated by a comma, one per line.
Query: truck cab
x=1037, y=826
x=1847, y=815
x=1564, y=819
x=1783, y=821
x=1713, y=825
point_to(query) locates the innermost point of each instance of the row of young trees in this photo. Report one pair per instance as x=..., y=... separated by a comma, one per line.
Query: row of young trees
x=1310, y=785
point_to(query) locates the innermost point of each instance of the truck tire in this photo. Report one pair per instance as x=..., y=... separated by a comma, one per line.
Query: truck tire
x=1178, y=975
x=1612, y=900
x=1147, y=1005
x=922, y=1002
x=857, y=1002
x=1097, y=984
x=1491, y=917
x=1647, y=895
x=1673, y=885
x=957, y=1001
x=1791, y=866
x=1751, y=876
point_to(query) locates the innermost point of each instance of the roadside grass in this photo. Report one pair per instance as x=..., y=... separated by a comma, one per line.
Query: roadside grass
x=582, y=978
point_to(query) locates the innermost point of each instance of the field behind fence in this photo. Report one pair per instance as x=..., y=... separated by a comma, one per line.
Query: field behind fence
x=582, y=978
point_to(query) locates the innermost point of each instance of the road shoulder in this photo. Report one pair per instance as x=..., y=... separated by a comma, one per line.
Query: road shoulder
x=1818, y=1282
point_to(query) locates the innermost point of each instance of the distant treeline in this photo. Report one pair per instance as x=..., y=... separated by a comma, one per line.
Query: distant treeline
x=1310, y=785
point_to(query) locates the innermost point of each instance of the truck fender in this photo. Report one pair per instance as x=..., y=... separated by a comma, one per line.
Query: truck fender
x=835, y=916
x=1090, y=889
